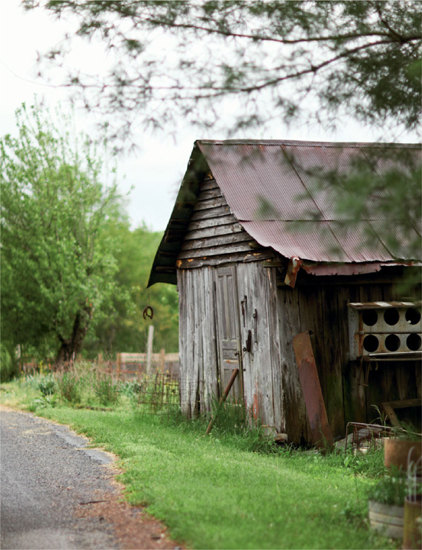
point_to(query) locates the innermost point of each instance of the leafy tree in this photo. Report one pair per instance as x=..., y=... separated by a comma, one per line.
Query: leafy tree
x=269, y=59
x=275, y=57
x=57, y=265
x=125, y=330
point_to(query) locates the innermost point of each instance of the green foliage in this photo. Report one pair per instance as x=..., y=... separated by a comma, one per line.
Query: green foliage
x=130, y=389
x=43, y=402
x=369, y=464
x=57, y=258
x=47, y=385
x=106, y=390
x=8, y=367
x=69, y=387
x=125, y=330
x=391, y=489
x=270, y=59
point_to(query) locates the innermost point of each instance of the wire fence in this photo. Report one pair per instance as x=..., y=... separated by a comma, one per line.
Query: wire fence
x=159, y=392
x=126, y=366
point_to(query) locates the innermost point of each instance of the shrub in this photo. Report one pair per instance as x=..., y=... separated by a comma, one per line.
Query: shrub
x=106, y=390
x=68, y=385
x=389, y=490
x=8, y=367
x=47, y=385
x=130, y=389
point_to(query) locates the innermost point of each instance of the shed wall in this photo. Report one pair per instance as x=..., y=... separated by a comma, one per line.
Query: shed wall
x=198, y=378
x=214, y=236
x=200, y=360
x=349, y=391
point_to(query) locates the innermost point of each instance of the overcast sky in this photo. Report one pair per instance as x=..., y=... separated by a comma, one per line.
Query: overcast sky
x=155, y=172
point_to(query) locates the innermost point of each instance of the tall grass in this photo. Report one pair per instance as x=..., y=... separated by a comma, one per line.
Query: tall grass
x=69, y=387
x=105, y=389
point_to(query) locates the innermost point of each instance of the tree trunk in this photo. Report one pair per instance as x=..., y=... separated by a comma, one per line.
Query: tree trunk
x=70, y=347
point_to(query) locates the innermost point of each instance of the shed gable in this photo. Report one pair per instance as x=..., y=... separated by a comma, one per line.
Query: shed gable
x=214, y=236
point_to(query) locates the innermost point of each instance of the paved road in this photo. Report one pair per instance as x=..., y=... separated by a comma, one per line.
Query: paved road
x=47, y=476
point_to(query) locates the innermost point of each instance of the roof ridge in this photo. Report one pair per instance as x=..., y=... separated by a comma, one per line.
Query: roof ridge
x=277, y=142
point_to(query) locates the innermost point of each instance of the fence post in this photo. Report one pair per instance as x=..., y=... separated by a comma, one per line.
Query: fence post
x=162, y=362
x=100, y=361
x=149, y=348
x=119, y=361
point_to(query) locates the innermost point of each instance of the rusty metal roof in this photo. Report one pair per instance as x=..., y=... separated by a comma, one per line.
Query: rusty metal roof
x=270, y=187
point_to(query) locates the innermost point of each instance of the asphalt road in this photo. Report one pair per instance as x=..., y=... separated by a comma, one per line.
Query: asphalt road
x=47, y=477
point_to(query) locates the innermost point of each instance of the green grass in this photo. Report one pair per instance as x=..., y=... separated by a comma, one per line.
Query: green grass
x=215, y=493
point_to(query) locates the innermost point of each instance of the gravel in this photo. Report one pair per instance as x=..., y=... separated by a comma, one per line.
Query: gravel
x=47, y=475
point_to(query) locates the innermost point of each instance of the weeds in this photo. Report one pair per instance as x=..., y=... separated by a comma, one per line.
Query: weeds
x=130, y=389
x=68, y=385
x=47, y=385
x=44, y=402
x=391, y=489
x=106, y=389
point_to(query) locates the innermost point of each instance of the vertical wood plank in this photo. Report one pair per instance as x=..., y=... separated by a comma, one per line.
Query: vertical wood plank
x=279, y=420
x=162, y=360
x=293, y=402
x=262, y=363
x=210, y=390
x=181, y=284
x=332, y=366
x=244, y=312
x=354, y=395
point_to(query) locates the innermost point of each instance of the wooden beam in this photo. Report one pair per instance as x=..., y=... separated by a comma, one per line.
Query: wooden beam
x=389, y=407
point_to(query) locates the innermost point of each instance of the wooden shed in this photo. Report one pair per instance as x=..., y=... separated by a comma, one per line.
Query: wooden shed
x=255, y=267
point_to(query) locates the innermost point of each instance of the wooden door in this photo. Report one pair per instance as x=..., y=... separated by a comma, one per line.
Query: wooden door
x=228, y=329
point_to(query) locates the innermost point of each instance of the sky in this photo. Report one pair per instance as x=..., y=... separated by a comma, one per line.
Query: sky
x=150, y=176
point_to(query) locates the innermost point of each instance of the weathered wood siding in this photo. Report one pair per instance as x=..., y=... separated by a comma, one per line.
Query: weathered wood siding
x=210, y=306
x=197, y=340
x=348, y=393
x=214, y=236
x=202, y=350
x=259, y=322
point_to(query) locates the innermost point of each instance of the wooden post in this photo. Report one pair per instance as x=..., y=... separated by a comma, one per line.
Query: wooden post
x=149, y=348
x=139, y=370
x=162, y=360
x=119, y=362
x=223, y=397
x=100, y=361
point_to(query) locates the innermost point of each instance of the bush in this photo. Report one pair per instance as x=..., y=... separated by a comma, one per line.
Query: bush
x=106, y=390
x=8, y=367
x=68, y=385
x=47, y=385
x=130, y=389
x=389, y=490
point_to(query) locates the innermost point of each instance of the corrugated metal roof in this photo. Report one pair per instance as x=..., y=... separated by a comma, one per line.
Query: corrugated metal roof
x=270, y=187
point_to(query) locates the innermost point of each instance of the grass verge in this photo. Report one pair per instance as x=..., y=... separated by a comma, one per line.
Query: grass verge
x=215, y=493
